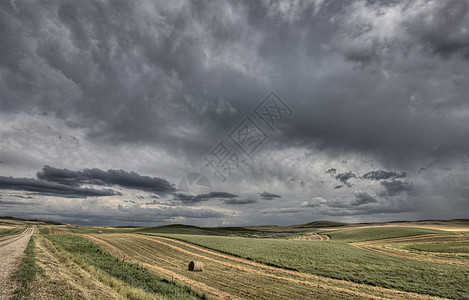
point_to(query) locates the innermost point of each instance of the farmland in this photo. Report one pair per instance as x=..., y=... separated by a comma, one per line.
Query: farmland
x=337, y=262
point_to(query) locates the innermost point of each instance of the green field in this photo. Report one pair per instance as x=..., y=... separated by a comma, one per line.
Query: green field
x=378, y=233
x=339, y=260
x=450, y=247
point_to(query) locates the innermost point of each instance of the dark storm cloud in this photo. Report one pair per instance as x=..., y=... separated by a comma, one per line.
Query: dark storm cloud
x=51, y=188
x=395, y=187
x=191, y=199
x=363, y=203
x=14, y=203
x=345, y=177
x=239, y=201
x=268, y=196
x=227, y=198
x=105, y=215
x=382, y=174
x=439, y=28
x=186, y=73
x=363, y=198
x=130, y=180
x=223, y=195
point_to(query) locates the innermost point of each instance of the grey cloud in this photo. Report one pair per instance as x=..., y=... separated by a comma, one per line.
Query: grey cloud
x=14, y=203
x=191, y=199
x=363, y=198
x=282, y=210
x=345, y=177
x=311, y=204
x=438, y=28
x=166, y=78
x=95, y=214
x=268, y=196
x=51, y=188
x=239, y=201
x=382, y=174
x=223, y=195
x=395, y=187
x=121, y=178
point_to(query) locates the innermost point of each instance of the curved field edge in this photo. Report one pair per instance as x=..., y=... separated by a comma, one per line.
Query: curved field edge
x=379, y=233
x=459, y=247
x=342, y=261
x=131, y=280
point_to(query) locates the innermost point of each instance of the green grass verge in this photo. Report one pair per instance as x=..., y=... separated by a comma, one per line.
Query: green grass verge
x=11, y=231
x=342, y=261
x=130, y=273
x=43, y=230
x=26, y=272
x=378, y=233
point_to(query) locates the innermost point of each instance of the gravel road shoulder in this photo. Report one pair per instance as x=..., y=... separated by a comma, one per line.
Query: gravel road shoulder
x=11, y=250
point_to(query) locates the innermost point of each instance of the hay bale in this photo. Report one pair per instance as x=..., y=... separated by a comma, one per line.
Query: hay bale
x=99, y=231
x=196, y=266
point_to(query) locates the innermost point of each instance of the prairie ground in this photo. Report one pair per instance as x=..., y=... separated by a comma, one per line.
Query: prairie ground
x=391, y=261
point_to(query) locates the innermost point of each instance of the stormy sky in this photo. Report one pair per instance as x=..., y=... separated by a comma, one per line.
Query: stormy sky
x=234, y=112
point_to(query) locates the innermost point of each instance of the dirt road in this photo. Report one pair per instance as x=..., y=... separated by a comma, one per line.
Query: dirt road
x=11, y=249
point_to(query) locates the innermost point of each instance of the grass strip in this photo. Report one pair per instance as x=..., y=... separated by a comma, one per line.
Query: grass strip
x=129, y=273
x=26, y=272
x=11, y=231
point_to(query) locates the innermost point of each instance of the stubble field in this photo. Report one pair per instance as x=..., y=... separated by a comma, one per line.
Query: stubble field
x=377, y=262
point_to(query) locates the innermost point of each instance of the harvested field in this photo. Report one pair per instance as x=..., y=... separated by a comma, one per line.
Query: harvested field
x=59, y=230
x=240, y=278
x=413, y=248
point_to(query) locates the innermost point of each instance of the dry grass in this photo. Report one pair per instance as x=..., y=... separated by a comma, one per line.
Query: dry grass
x=61, y=229
x=65, y=279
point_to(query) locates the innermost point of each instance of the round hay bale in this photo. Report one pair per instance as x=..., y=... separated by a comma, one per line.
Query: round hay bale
x=99, y=231
x=196, y=266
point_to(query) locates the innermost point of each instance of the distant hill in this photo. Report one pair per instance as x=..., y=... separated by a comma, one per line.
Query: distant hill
x=321, y=224
x=24, y=220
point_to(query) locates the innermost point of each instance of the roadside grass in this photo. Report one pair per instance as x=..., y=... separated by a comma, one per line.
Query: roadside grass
x=378, y=233
x=342, y=261
x=11, y=231
x=111, y=270
x=26, y=272
x=43, y=230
